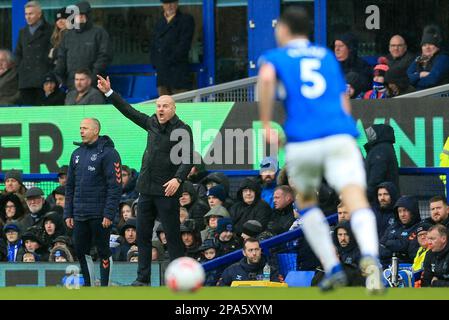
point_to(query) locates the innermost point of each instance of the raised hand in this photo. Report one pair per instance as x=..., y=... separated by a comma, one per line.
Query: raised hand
x=104, y=85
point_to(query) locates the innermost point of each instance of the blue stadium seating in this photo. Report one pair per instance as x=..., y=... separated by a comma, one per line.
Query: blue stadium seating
x=299, y=278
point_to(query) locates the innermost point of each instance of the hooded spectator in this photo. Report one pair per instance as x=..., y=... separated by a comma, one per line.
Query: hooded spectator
x=35, y=244
x=345, y=48
x=379, y=89
x=53, y=227
x=163, y=240
x=217, y=178
x=381, y=162
x=9, y=82
x=196, y=207
x=86, y=47
x=129, y=181
x=431, y=68
x=191, y=241
x=11, y=208
x=249, y=206
x=209, y=252
x=400, y=238
x=51, y=94
x=66, y=242
x=268, y=173
x=158, y=251
x=60, y=254
x=226, y=239
x=387, y=195
x=211, y=221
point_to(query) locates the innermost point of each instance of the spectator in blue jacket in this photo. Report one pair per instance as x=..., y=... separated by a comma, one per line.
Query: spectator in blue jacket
x=387, y=195
x=431, y=68
x=268, y=173
x=93, y=191
x=400, y=238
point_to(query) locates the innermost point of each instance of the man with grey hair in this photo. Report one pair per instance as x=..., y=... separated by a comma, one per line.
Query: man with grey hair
x=31, y=54
x=9, y=86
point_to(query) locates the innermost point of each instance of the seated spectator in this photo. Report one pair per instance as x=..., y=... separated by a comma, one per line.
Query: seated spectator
x=209, y=252
x=60, y=254
x=29, y=257
x=424, y=247
x=129, y=180
x=84, y=93
x=439, y=211
x=211, y=221
x=400, y=238
x=51, y=94
x=343, y=213
x=282, y=216
x=436, y=264
x=379, y=89
x=195, y=206
x=65, y=242
x=133, y=255
x=11, y=208
x=157, y=251
x=267, y=173
x=354, y=85
x=33, y=243
x=387, y=195
x=190, y=240
x=125, y=212
x=217, y=178
x=59, y=196
x=163, y=240
x=249, y=206
x=345, y=48
x=250, y=267
x=14, y=182
x=183, y=215
x=397, y=84
x=216, y=196
x=53, y=227
x=128, y=233
x=399, y=58
x=14, y=244
x=226, y=239
x=38, y=207
x=431, y=68
x=381, y=163
x=9, y=82
x=251, y=229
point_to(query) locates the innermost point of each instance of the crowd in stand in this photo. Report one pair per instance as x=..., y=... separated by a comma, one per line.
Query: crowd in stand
x=56, y=65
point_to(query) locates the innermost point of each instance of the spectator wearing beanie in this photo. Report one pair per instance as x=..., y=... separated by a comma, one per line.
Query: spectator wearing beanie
x=128, y=233
x=14, y=245
x=345, y=49
x=431, y=68
x=249, y=206
x=225, y=237
x=379, y=90
x=216, y=196
x=214, y=179
x=211, y=220
x=251, y=229
x=51, y=94
x=14, y=182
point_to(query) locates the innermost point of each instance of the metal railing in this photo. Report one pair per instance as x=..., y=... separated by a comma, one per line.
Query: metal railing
x=435, y=92
x=243, y=90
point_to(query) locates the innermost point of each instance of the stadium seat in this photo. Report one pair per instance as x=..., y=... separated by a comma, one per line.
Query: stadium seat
x=123, y=84
x=299, y=278
x=287, y=262
x=144, y=88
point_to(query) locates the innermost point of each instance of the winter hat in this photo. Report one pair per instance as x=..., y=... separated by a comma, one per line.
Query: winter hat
x=50, y=77
x=252, y=228
x=63, y=239
x=185, y=228
x=269, y=164
x=423, y=226
x=217, y=191
x=14, y=174
x=11, y=226
x=432, y=35
x=224, y=224
x=59, y=190
x=84, y=7
x=131, y=223
x=218, y=211
x=61, y=253
x=207, y=244
x=381, y=67
x=32, y=236
x=350, y=40
x=34, y=192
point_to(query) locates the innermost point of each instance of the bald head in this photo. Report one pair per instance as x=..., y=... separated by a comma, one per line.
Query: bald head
x=90, y=130
x=165, y=109
x=397, y=47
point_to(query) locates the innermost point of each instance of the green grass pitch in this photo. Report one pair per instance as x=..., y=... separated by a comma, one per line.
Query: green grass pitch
x=163, y=293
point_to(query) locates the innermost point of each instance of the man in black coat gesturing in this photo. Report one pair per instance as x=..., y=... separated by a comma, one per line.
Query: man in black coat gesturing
x=161, y=175
x=171, y=41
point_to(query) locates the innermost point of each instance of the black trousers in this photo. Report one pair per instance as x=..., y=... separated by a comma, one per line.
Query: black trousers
x=167, y=210
x=88, y=233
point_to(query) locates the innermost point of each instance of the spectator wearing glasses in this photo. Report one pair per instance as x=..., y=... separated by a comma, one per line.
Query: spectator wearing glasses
x=399, y=58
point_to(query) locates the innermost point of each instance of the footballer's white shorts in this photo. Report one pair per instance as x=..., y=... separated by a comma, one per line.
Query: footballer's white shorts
x=336, y=157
